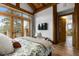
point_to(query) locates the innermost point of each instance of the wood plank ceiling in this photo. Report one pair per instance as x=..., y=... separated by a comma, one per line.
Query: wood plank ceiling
x=36, y=7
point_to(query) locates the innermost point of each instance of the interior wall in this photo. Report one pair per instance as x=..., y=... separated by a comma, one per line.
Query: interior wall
x=65, y=6
x=45, y=16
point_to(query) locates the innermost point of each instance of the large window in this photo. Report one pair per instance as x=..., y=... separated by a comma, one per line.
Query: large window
x=3, y=9
x=13, y=22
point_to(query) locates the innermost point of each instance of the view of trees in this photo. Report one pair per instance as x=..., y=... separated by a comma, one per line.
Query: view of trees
x=5, y=24
x=5, y=21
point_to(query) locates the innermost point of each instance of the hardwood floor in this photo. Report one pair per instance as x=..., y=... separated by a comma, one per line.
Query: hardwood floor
x=65, y=49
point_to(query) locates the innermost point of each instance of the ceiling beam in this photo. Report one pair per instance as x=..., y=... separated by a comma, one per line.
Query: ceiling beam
x=18, y=5
x=32, y=6
x=44, y=4
x=40, y=9
x=45, y=7
x=15, y=7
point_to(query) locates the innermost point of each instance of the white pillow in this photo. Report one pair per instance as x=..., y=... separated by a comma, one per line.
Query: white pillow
x=39, y=35
x=6, y=45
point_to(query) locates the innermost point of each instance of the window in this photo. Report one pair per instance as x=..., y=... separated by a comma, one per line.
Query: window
x=69, y=26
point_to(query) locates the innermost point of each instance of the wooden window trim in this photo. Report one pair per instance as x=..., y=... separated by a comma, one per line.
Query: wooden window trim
x=12, y=20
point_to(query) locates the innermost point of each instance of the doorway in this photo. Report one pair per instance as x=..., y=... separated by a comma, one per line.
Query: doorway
x=66, y=30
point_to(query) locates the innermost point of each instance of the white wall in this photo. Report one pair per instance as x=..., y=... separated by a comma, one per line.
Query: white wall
x=45, y=16
x=26, y=7
x=65, y=6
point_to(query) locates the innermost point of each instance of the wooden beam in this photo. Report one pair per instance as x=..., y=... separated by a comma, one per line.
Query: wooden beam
x=76, y=26
x=32, y=6
x=14, y=7
x=18, y=5
x=29, y=29
x=44, y=4
x=12, y=15
x=22, y=27
x=11, y=27
x=54, y=9
x=40, y=9
x=44, y=7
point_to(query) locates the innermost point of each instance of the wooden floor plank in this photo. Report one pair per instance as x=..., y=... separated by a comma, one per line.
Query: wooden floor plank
x=65, y=49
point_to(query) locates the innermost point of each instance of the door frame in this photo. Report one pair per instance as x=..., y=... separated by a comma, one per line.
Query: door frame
x=72, y=24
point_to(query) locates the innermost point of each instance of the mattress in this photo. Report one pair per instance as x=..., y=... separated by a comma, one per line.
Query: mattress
x=32, y=47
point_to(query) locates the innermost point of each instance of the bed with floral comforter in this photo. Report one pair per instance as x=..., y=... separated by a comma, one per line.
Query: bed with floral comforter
x=32, y=47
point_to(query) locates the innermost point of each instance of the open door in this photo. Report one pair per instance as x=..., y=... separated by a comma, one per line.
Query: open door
x=62, y=29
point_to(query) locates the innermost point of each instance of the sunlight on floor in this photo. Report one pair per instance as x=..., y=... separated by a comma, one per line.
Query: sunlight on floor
x=65, y=48
x=69, y=41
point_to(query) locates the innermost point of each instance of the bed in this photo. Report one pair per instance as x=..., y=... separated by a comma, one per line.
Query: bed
x=32, y=47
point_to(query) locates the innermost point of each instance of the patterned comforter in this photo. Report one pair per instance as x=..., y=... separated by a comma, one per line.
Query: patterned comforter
x=31, y=48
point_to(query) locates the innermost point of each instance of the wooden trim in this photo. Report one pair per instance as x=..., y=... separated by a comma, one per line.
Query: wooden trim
x=22, y=27
x=13, y=7
x=11, y=22
x=74, y=31
x=44, y=7
x=32, y=6
x=29, y=30
x=12, y=16
x=72, y=13
x=40, y=9
x=7, y=14
x=18, y=5
x=54, y=23
x=11, y=27
x=66, y=14
x=76, y=26
x=44, y=4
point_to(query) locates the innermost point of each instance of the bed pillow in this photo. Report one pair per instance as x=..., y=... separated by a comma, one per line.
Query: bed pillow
x=39, y=35
x=16, y=45
x=6, y=46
